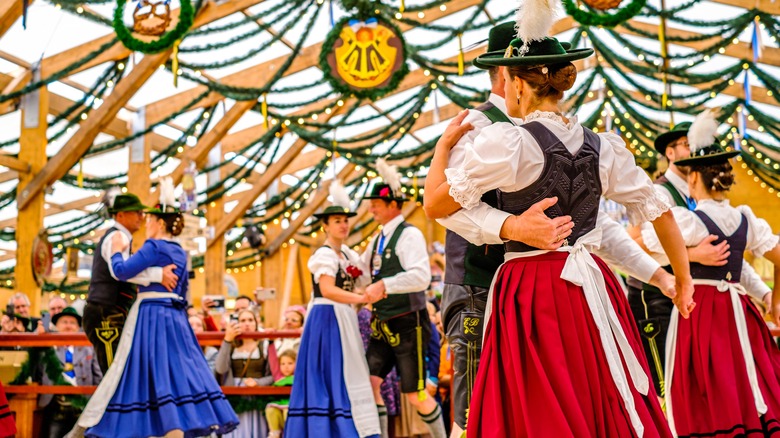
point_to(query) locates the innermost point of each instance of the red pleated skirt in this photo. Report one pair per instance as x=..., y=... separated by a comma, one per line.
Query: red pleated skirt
x=543, y=371
x=7, y=423
x=710, y=391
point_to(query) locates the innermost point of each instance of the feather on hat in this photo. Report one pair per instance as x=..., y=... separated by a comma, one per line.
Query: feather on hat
x=390, y=175
x=702, y=132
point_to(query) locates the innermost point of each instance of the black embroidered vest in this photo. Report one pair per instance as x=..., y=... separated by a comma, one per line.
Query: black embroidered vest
x=395, y=304
x=341, y=280
x=105, y=289
x=574, y=179
x=732, y=270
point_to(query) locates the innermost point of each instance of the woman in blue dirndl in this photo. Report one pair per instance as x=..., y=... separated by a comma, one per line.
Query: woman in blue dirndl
x=331, y=394
x=159, y=382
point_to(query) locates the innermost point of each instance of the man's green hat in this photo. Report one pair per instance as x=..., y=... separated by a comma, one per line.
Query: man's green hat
x=546, y=51
x=334, y=210
x=383, y=191
x=678, y=131
x=126, y=202
x=499, y=38
x=68, y=311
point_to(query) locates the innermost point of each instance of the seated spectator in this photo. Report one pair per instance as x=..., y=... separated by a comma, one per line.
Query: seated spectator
x=21, y=306
x=293, y=320
x=79, y=368
x=209, y=352
x=276, y=412
x=241, y=362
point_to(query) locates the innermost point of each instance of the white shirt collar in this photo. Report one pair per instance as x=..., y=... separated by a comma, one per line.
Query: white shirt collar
x=713, y=202
x=389, y=228
x=500, y=103
x=122, y=228
x=678, y=182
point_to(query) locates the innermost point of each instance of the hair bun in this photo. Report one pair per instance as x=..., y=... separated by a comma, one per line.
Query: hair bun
x=562, y=76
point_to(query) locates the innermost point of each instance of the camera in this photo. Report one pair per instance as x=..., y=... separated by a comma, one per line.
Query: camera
x=234, y=318
x=265, y=294
x=217, y=302
x=9, y=310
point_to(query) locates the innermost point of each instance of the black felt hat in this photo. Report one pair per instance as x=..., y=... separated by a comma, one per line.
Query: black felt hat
x=662, y=141
x=546, y=51
x=383, y=191
x=334, y=210
x=68, y=311
x=707, y=156
x=127, y=202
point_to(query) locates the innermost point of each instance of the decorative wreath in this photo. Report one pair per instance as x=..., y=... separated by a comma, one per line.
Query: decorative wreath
x=333, y=42
x=166, y=41
x=604, y=20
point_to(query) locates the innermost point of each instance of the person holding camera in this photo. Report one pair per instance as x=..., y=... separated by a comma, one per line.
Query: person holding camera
x=241, y=362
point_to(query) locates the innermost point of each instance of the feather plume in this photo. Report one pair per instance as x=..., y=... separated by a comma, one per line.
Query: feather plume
x=390, y=175
x=534, y=19
x=703, y=129
x=339, y=194
x=110, y=196
x=167, y=197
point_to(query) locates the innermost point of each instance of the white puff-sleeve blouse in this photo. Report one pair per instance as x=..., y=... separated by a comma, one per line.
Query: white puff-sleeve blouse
x=325, y=261
x=508, y=158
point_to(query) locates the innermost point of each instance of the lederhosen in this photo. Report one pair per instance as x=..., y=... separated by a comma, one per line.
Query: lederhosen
x=108, y=302
x=467, y=276
x=400, y=325
x=652, y=309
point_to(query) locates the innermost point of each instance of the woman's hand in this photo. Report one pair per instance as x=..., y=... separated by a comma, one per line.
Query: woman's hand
x=664, y=281
x=118, y=242
x=455, y=130
x=250, y=382
x=232, y=331
x=684, y=297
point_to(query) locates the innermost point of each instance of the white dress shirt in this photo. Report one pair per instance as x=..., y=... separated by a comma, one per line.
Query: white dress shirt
x=146, y=277
x=678, y=183
x=412, y=252
x=760, y=238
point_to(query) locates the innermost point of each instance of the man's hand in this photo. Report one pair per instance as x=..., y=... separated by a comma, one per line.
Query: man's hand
x=40, y=329
x=454, y=131
x=169, y=279
x=664, y=281
x=119, y=242
x=709, y=254
x=376, y=291
x=534, y=228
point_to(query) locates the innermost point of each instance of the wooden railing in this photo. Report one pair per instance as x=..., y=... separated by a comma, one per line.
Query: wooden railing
x=25, y=397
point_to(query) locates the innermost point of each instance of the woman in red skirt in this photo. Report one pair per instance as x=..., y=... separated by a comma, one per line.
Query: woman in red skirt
x=7, y=423
x=561, y=354
x=723, y=368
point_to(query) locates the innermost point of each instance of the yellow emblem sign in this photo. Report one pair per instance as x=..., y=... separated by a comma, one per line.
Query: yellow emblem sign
x=366, y=55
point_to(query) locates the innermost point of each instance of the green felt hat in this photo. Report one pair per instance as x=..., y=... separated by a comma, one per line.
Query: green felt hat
x=126, y=202
x=662, y=141
x=499, y=38
x=547, y=51
x=334, y=210
x=707, y=156
x=161, y=210
x=68, y=311
x=383, y=191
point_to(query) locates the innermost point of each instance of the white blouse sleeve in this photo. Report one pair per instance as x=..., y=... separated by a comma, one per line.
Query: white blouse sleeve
x=323, y=262
x=489, y=163
x=760, y=237
x=752, y=282
x=692, y=229
x=354, y=258
x=625, y=182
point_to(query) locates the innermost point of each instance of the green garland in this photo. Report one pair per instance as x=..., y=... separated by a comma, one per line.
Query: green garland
x=186, y=18
x=52, y=366
x=604, y=20
x=373, y=93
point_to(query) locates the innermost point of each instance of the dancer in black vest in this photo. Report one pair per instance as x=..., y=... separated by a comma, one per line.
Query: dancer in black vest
x=475, y=250
x=109, y=299
x=650, y=307
x=722, y=364
x=401, y=328
x=561, y=356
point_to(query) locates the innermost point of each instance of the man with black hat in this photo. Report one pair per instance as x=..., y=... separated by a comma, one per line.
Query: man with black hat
x=79, y=368
x=400, y=325
x=109, y=299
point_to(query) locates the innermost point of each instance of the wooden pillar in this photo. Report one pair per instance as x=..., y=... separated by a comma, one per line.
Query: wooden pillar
x=215, y=252
x=138, y=174
x=32, y=150
x=273, y=277
x=24, y=406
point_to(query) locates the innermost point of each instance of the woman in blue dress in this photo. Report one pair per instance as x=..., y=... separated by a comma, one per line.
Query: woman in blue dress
x=159, y=383
x=331, y=394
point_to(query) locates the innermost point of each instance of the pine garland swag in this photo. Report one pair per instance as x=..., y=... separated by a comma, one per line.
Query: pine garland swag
x=47, y=358
x=604, y=20
x=166, y=41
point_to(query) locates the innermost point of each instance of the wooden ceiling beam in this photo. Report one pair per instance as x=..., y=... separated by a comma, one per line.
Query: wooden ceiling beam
x=59, y=164
x=10, y=11
x=14, y=163
x=769, y=6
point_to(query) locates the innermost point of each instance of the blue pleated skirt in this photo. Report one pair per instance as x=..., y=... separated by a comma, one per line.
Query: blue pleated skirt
x=319, y=403
x=166, y=384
